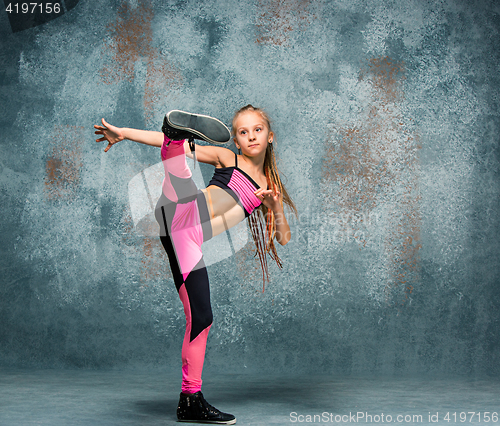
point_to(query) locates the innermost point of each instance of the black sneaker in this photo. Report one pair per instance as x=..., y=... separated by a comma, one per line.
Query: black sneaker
x=193, y=408
x=179, y=125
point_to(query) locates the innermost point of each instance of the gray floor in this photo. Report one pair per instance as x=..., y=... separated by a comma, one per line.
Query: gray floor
x=67, y=397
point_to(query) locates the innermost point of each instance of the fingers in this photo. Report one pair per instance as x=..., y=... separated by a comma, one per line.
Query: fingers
x=264, y=192
x=104, y=126
x=110, y=144
x=259, y=194
x=266, y=196
x=106, y=132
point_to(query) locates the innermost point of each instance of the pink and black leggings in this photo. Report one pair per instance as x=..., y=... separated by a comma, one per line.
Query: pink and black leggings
x=184, y=221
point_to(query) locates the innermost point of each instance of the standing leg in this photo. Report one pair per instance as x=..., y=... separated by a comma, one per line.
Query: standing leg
x=194, y=293
x=183, y=215
x=180, y=217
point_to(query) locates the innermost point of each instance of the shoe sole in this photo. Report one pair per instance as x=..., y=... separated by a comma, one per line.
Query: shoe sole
x=202, y=126
x=229, y=422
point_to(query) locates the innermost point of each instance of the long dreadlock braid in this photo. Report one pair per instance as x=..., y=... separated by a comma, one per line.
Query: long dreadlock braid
x=262, y=222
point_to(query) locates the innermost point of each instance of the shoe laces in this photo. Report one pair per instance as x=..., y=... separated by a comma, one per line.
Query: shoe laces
x=206, y=405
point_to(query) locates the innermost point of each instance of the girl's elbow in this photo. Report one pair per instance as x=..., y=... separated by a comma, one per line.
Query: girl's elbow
x=284, y=238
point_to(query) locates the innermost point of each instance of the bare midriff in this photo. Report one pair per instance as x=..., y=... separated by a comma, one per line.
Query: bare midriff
x=224, y=211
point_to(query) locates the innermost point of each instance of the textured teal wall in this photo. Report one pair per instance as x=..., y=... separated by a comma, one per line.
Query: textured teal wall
x=387, y=127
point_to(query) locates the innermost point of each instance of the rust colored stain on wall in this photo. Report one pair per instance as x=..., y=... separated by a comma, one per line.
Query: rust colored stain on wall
x=64, y=162
x=131, y=38
x=372, y=165
x=278, y=18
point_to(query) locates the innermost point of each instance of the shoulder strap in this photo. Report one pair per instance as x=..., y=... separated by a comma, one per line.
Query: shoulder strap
x=235, y=160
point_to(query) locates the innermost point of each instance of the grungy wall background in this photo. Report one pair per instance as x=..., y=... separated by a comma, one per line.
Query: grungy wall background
x=387, y=127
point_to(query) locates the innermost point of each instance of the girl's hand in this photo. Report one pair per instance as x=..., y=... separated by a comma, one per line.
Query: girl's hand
x=271, y=199
x=110, y=133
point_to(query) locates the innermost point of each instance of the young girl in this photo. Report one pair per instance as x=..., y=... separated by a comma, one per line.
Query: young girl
x=244, y=185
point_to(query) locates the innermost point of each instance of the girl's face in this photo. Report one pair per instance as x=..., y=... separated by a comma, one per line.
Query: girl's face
x=252, y=133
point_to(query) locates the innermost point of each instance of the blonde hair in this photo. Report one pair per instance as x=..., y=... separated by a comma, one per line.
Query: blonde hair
x=264, y=238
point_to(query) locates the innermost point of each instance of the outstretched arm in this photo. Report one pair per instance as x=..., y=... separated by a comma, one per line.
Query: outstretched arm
x=113, y=134
x=215, y=155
